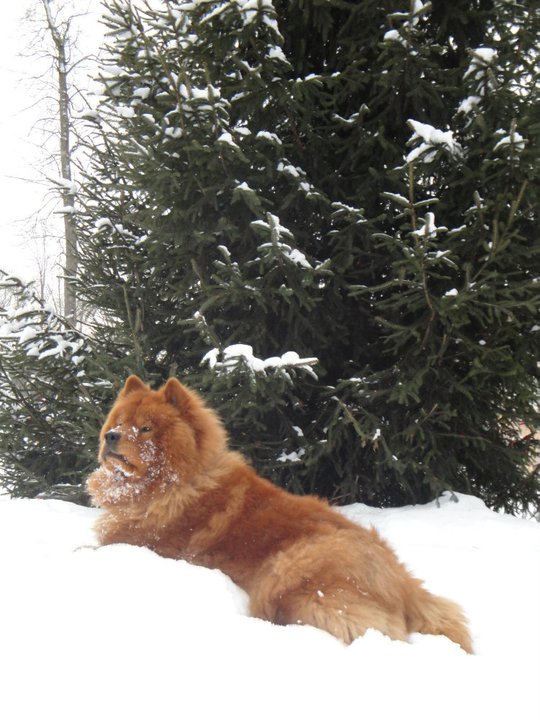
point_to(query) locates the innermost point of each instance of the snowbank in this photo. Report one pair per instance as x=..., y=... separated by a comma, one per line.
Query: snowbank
x=119, y=632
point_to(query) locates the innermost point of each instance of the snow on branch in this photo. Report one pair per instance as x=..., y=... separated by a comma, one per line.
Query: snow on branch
x=273, y=227
x=429, y=230
x=269, y=137
x=252, y=10
x=429, y=141
x=34, y=332
x=227, y=139
x=25, y=321
x=408, y=20
x=66, y=185
x=469, y=105
x=239, y=356
x=481, y=59
x=276, y=246
x=34, y=335
x=276, y=250
x=481, y=74
x=510, y=143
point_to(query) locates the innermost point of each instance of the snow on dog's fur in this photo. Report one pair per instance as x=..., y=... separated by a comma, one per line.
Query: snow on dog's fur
x=167, y=481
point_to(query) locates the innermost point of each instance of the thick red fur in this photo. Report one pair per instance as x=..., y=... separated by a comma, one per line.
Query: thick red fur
x=167, y=481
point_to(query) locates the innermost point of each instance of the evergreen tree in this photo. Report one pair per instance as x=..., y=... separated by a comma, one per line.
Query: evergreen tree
x=50, y=407
x=322, y=214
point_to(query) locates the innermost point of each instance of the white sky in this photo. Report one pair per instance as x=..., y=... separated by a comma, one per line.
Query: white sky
x=18, y=199
x=22, y=192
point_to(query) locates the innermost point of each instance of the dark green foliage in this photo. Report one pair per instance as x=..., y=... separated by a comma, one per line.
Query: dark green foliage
x=257, y=180
x=50, y=407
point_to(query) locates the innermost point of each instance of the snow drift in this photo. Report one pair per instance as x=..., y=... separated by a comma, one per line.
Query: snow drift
x=118, y=632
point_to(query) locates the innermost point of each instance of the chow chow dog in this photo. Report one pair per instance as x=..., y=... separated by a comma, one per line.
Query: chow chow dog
x=167, y=481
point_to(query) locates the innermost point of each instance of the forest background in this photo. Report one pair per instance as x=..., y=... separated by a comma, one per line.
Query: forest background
x=323, y=216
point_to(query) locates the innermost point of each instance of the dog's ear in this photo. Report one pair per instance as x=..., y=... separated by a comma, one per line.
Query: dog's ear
x=133, y=383
x=176, y=394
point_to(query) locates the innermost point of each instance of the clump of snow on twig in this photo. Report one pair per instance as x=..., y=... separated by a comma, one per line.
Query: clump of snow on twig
x=236, y=356
x=429, y=140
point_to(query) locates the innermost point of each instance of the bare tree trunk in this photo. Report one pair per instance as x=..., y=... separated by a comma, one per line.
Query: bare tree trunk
x=60, y=36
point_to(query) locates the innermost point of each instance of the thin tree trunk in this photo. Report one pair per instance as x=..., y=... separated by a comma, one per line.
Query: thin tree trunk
x=68, y=196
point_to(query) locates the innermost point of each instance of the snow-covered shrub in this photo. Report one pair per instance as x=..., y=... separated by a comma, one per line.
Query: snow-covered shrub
x=50, y=410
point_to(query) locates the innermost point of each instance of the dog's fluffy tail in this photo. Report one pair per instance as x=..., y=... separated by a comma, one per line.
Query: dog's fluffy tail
x=433, y=615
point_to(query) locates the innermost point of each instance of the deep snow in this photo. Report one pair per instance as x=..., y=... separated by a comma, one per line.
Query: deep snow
x=118, y=632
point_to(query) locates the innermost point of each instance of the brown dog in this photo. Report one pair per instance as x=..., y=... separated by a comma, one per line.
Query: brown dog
x=167, y=481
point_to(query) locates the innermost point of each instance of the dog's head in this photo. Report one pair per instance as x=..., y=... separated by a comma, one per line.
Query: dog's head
x=152, y=440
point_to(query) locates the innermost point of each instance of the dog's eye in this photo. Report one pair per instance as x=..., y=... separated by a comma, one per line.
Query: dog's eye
x=145, y=429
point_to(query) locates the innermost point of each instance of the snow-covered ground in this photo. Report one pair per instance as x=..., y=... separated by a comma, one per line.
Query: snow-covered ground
x=119, y=633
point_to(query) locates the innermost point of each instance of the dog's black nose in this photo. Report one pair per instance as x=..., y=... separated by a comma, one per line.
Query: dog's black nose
x=111, y=438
